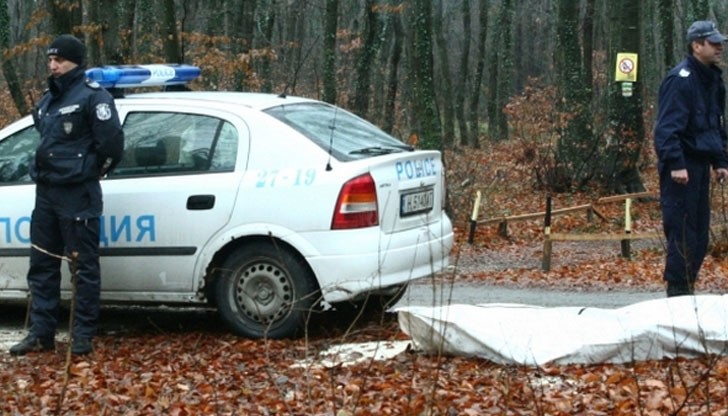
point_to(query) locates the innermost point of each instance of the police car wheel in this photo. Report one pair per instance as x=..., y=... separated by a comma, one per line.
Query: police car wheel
x=264, y=292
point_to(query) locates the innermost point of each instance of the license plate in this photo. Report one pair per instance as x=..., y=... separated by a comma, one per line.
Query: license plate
x=416, y=202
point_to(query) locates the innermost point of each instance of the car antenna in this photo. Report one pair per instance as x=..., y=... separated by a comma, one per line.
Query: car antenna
x=331, y=138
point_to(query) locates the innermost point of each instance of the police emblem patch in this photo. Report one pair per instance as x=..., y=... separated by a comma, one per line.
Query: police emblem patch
x=67, y=127
x=103, y=112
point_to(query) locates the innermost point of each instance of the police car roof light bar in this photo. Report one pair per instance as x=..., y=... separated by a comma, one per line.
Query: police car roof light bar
x=132, y=76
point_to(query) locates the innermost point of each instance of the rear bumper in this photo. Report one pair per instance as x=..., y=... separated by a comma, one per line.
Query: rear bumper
x=346, y=271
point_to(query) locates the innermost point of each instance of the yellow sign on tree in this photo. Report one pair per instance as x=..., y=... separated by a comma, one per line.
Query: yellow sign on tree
x=626, y=67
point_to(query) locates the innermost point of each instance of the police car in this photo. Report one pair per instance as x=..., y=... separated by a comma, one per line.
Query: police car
x=265, y=206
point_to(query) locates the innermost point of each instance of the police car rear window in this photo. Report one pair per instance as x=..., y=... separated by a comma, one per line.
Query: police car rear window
x=343, y=134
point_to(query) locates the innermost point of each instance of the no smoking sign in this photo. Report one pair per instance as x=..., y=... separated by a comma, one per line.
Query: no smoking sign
x=626, y=67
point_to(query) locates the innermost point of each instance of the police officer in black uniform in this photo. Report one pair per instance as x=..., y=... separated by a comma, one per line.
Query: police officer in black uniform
x=81, y=141
x=690, y=138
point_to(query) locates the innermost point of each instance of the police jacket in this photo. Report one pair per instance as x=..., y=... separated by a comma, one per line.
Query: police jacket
x=81, y=136
x=690, y=116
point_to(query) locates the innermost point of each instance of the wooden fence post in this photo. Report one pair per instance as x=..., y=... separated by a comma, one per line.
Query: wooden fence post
x=625, y=243
x=474, y=218
x=547, y=243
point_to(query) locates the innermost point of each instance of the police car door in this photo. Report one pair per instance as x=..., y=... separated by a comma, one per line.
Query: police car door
x=18, y=142
x=175, y=187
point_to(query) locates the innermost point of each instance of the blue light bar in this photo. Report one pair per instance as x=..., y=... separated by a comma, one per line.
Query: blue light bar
x=130, y=76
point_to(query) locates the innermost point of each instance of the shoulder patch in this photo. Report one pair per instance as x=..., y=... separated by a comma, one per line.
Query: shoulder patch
x=684, y=73
x=92, y=84
x=103, y=111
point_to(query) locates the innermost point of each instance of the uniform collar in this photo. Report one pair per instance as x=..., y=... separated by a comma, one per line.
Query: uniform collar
x=707, y=73
x=58, y=86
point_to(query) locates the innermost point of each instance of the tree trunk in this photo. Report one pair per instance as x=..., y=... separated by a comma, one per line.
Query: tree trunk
x=474, y=131
x=330, y=27
x=390, y=100
x=359, y=102
x=446, y=97
x=667, y=32
x=64, y=16
x=576, y=147
x=626, y=112
x=463, y=73
x=504, y=83
x=267, y=24
x=8, y=66
x=170, y=38
x=427, y=120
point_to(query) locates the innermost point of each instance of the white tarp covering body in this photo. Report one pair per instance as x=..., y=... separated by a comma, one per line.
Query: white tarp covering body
x=686, y=326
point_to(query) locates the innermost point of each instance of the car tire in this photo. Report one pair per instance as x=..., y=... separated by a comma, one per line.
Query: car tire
x=264, y=291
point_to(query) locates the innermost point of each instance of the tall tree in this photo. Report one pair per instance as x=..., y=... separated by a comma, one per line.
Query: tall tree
x=463, y=72
x=390, y=99
x=473, y=118
x=426, y=118
x=359, y=102
x=576, y=146
x=626, y=113
x=501, y=66
x=64, y=15
x=445, y=90
x=170, y=33
x=331, y=18
x=9, y=71
x=667, y=31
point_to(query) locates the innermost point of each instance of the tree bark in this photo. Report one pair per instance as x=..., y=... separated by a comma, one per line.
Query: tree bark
x=170, y=33
x=390, y=100
x=427, y=120
x=463, y=73
x=359, y=102
x=446, y=97
x=8, y=66
x=626, y=113
x=474, y=131
x=331, y=19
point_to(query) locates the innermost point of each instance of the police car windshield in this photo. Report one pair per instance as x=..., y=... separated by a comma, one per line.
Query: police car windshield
x=345, y=135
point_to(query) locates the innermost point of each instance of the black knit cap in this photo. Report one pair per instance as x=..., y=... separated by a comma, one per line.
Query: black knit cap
x=68, y=47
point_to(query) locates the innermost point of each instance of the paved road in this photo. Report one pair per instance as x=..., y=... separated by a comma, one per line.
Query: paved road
x=474, y=293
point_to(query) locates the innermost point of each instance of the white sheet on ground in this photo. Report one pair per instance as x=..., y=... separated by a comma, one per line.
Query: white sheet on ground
x=686, y=326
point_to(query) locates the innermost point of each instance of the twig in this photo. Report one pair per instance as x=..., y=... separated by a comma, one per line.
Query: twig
x=73, y=265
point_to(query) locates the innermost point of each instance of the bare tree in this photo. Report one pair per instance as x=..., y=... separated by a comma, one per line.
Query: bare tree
x=9, y=71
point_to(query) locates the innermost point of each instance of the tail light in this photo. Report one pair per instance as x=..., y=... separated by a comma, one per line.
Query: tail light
x=356, y=206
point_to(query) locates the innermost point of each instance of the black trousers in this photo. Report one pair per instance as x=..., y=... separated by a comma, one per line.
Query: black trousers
x=65, y=221
x=686, y=221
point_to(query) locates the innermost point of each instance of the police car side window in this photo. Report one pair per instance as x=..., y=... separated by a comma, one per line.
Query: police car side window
x=16, y=155
x=165, y=143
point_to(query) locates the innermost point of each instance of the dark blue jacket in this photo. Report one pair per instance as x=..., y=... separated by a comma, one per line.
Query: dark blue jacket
x=81, y=137
x=690, y=116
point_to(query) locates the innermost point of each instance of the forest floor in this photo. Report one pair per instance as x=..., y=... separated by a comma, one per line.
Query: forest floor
x=195, y=367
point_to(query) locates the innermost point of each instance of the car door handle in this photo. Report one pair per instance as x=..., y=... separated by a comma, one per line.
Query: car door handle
x=200, y=202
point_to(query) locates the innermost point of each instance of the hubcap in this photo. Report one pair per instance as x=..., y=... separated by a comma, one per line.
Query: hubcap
x=264, y=292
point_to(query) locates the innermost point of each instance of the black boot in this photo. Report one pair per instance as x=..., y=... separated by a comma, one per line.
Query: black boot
x=32, y=343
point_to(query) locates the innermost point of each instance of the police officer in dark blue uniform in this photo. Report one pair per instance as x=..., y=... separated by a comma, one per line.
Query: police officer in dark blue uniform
x=690, y=139
x=81, y=141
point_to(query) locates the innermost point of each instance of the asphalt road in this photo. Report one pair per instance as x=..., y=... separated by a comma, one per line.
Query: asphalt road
x=422, y=294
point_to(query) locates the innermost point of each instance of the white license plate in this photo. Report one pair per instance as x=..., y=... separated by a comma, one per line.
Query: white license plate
x=416, y=202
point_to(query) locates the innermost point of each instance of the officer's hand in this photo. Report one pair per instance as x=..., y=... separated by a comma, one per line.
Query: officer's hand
x=721, y=173
x=680, y=176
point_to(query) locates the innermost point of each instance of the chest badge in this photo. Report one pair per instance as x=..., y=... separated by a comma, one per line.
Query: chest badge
x=67, y=127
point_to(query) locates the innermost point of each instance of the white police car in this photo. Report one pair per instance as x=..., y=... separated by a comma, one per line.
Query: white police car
x=266, y=206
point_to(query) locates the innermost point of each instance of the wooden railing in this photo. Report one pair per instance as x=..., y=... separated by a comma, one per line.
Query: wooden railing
x=625, y=237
